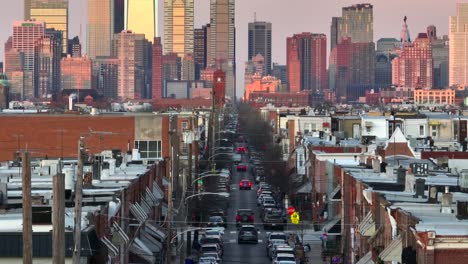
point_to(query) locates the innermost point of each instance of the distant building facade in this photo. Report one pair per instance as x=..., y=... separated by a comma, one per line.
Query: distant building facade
x=178, y=26
x=259, y=42
x=306, y=62
x=100, y=28
x=157, y=69
x=357, y=23
x=413, y=66
x=76, y=73
x=458, y=56
x=48, y=55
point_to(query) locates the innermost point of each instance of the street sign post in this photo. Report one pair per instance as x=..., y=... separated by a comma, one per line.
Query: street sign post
x=295, y=218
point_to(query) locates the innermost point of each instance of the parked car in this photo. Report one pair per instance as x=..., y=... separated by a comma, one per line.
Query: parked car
x=211, y=248
x=244, y=216
x=281, y=249
x=272, y=244
x=245, y=185
x=214, y=221
x=274, y=219
x=284, y=257
x=212, y=255
x=247, y=233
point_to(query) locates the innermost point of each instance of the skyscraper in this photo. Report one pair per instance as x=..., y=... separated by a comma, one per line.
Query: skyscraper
x=74, y=47
x=187, y=71
x=99, y=30
x=260, y=43
x=48, y=55
x=353, y=68
x=200, y=41
x=458, y=36
x=440, y=57
x=178, y=26
x=142, y=17
x=334, y=32
x=383, y=61
x=307, y=62
x=53, y=12
x=223, y=46
x=357, y=23
x=119, y=16
x=107, y=76
x=157, y=65
x=413, y=66
x=76, y=73
x=25, y=35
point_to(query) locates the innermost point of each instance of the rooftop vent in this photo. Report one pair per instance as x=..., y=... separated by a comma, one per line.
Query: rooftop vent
x=462, y=210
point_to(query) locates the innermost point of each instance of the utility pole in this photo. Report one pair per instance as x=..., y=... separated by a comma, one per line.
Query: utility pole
x=78, y=199
x=58, y=219
x=190, y=145
x=27, y=209
x=169, y=200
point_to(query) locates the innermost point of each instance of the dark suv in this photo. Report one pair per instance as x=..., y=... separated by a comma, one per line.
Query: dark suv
x=244, y=216
x=247, y=233
x=273, y=218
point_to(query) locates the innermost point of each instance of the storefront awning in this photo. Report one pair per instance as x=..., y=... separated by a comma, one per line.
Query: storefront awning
x=366, y=259
x=434, y=123
x=393, y=251
x=335, y=196
x=367, y=226
x=333, y=227
x=305, y=188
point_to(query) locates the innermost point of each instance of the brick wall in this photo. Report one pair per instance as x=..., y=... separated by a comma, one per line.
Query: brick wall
x=42, y=134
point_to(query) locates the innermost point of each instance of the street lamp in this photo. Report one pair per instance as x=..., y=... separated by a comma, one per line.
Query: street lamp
x=211, y=175
x=222, y=194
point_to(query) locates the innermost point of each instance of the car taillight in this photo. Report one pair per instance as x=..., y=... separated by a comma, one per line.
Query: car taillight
x=238, y=218
x=250, y=184
x=251, y=218
x=240, y=184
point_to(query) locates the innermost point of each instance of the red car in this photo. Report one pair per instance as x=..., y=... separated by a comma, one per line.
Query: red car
x=241, y=150
x=245, y=185
x=242, y=167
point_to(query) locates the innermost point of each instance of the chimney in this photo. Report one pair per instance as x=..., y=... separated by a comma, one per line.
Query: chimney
x=462, y=210
x=447, y=198
x=409, y=181
x=376, y=165
x=420, y=188
x=401, y=175
x=433, y=195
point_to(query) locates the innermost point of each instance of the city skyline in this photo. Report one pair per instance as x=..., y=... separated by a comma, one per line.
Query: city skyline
x=387, y=22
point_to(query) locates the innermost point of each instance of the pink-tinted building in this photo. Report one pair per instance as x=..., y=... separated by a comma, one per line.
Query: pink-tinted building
x=268, y=84
x=306, y=61
x=157, y=81
x=25, y=34
x=76, y=73
x=414, y=65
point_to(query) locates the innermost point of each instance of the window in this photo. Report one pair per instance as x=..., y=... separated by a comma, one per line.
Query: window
x=421, y=130
x=434, y=131
x=184, y=125
x=149, y=149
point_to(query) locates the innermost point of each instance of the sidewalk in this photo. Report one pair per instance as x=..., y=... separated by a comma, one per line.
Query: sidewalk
x=311, y=237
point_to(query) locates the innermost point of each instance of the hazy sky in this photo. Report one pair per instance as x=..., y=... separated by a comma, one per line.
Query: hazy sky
x=287, y=16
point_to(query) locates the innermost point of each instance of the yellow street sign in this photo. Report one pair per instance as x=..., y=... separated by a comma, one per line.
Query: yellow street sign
x=295, y=218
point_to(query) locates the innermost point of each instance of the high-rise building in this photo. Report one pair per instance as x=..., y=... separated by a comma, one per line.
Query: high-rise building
x=254, y=67
x=142, y=17
x=107, y=75
x=260, y=43
x=187, y=71
x=357, y=23
x=306, y=61
x=352, y=69
x=171, y=67
x=99, y=30
x=223, y=38
x=118, y=16
x=25, y=35
x=334, y=32
x=200, y=49
x=432, y=33
x=458, y=56
x=4, y=91
x=53, y=12
x=440, y=57
x=413, y=66
x=157, y=66
x=281, y=73
x=178, y=26
x=131, y=50
x=386, y=52
x=76, y=73
x=74, y=47
x=48, y=55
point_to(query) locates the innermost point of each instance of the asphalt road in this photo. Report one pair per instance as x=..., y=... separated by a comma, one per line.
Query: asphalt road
x=243, y=199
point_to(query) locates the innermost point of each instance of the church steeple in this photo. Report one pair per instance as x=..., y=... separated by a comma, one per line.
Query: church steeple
x=405, y=34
